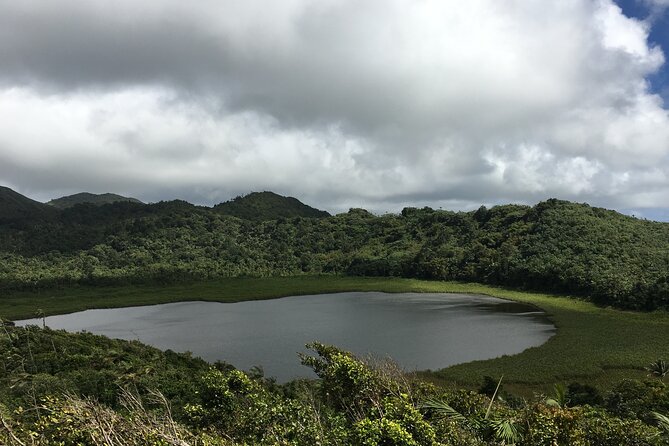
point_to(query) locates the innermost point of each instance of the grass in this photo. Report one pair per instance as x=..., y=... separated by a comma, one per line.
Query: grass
x=21, y=305
x=593, y=345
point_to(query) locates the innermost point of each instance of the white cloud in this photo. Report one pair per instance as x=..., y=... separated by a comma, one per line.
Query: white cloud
x=626, y=34
x=338, y=102
x=658, y=3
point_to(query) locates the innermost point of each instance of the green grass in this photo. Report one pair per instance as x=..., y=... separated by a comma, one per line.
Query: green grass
x=20, y=305
x=594, y=345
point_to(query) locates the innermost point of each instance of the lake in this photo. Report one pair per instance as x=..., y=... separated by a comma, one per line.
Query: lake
x=419, y=331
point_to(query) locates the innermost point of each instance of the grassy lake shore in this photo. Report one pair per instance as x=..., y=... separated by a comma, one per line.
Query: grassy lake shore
x=592, y=345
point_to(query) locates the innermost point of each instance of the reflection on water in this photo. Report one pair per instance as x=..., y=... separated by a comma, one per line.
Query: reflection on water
x=419, y=331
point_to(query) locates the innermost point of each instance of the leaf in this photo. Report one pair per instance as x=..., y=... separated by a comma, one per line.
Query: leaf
x=662, y=421
x=507, y=431
x=444, y=410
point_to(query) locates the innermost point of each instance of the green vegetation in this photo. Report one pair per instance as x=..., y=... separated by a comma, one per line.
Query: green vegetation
x=604, y=369
x=85, y=197
x=555, y=246
x=24, y=304
x=17, y=210
x=61, y=389
x=593, y=345
x=261, y=206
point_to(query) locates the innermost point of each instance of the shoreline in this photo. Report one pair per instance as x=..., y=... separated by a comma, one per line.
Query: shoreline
x=591, y=344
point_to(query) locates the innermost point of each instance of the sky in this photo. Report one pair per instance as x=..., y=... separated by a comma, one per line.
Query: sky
x=378, y=104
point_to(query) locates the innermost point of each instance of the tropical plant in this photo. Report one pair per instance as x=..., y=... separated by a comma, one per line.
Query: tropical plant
x=504, y=429
x=560, y=397
x=662, y=422
x=659, y=368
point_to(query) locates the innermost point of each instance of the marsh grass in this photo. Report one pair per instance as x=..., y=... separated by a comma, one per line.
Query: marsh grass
x=592, y=345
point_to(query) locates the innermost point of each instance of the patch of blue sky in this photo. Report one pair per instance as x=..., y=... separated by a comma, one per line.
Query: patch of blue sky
x=658, y=18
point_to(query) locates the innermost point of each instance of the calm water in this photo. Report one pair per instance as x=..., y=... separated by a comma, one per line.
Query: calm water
x=419, y=331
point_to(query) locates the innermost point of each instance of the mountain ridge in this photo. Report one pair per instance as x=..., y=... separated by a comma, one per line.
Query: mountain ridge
x=17, y=208
x=554, y=246
x=267, y=205
x=255, y=206
x=86, y=197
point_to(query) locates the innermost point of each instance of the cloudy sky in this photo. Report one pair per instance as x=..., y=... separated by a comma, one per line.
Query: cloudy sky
x=340, y=103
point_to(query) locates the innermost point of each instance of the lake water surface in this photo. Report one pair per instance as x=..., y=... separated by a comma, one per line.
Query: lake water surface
x=419, y=331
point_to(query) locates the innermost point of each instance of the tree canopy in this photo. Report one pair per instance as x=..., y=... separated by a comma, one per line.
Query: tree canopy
x=555, y=246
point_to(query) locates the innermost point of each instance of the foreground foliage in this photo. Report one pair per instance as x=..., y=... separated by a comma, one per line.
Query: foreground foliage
x=354, y=402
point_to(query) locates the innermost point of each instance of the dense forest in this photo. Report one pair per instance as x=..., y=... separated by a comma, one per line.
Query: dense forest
x=63, y=388
x=58, y=388
x=554, y=246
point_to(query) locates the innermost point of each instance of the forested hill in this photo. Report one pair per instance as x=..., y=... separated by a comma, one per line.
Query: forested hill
x=267, y=206
x=85, y=197
x=17, y=209
x=555, y=246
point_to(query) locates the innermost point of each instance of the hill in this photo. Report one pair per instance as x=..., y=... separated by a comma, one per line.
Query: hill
x=85, y=197
x=260, y=206
x=18, y=209
x=555, y=246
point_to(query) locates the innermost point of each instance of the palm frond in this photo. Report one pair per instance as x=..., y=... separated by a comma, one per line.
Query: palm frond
x=560, y=398
x=443, y=410
x=662, y=421
x=659, y=368
x=507, y=431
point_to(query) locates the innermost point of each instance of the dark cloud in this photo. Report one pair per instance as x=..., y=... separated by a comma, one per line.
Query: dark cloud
x=336, y=102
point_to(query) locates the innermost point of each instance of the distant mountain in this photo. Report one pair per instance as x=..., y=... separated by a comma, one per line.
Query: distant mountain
x=16, y=208
x=267, y=206
x=85, y=197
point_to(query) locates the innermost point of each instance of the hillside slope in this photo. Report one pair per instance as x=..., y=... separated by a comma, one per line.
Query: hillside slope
x=260, y=206
x=18, y=209
x=554, y=246
x=85, y=197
